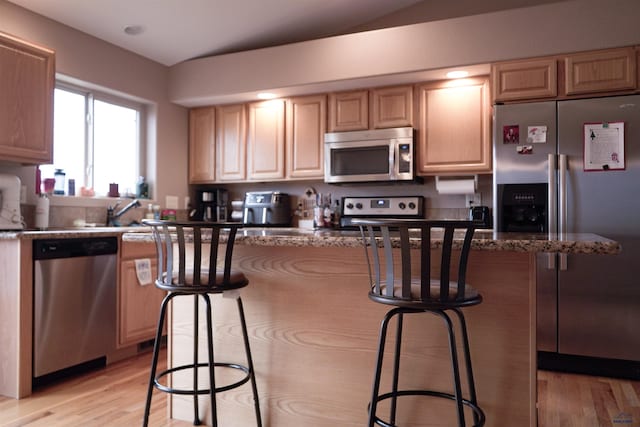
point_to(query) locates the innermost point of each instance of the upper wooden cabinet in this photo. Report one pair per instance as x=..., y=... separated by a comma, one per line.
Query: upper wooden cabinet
x=202, y=145
x=454, y=133
x=26, y=101
x=231, y=146
x=392, y=107
x=265, y=141
x=599, y=71
x=537, y=78
x=306, y=126
x=349, y=111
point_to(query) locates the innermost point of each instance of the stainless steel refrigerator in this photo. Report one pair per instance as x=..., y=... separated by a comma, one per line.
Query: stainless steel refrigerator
x=588, y=305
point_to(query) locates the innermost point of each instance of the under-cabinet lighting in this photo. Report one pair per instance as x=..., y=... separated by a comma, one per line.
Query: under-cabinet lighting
x=266, y=95
x=457, y=74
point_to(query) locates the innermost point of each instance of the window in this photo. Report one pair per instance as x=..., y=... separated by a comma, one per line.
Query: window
x=96, y=140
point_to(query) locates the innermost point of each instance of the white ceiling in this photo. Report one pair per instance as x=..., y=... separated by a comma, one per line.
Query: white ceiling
x=178, y=30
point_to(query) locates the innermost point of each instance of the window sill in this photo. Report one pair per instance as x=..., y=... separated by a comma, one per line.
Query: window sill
x=89, y=202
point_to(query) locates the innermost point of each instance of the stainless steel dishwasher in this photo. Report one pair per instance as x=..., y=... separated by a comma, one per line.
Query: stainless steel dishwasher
x=74, y=310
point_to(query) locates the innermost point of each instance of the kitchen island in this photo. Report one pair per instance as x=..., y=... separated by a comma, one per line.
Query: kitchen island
x=314, y=331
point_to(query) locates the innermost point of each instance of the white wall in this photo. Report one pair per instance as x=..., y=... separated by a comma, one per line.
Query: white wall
x=104, y=65
x=335, y=61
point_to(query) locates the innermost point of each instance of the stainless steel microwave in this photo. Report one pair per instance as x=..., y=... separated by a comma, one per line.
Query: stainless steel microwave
x=369, y=155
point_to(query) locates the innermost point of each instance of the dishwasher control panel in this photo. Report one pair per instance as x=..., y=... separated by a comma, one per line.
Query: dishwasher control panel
x=69, y=248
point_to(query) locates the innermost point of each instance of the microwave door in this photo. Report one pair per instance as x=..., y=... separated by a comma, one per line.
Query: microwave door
x=359, y=161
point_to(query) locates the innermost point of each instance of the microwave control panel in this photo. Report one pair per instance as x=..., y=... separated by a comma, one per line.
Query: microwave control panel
x=392, y=207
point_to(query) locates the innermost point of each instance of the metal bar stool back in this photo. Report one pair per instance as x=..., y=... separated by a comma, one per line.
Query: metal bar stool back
x=195, y=258
x=400, y=260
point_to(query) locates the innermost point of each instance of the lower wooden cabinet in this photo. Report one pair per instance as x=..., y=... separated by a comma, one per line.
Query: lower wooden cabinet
x=138, y=306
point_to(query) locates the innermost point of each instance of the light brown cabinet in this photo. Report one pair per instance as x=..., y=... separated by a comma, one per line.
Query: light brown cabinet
x=26, y=101
x=519, y=80
x=138, y=306
x=265, y=141
x=306, y=118
x=348, y=111
x=392, y=107
x=454, y=128
x=202, y=125
x=231, y=145
x=600, y=71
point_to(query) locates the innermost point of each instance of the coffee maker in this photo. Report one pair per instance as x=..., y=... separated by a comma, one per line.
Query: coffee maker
x=211, y=205
x=10, y=217
x=267, y=208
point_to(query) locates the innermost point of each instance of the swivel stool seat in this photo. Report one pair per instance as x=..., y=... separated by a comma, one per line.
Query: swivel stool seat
x=209, y=272
x=405, y=284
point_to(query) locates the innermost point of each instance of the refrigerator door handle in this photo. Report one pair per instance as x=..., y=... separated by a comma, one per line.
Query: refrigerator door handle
x=562, y=204
x=551, y=206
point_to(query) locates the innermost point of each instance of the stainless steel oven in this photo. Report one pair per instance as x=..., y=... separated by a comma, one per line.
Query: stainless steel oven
x=369, y=156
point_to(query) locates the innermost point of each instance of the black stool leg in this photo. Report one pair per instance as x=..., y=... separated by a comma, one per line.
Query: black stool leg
x=154, y=360
x=212, y=378
x=396, y=368
x=376, y=379
x=467, y=357
x=247, y=348
x=196, y=412
x=455, y=367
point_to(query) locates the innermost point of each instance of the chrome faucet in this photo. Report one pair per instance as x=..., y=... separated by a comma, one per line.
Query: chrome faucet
x=112, y=216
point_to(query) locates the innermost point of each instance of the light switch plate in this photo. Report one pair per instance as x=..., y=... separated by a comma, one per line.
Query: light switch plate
x=474, y=199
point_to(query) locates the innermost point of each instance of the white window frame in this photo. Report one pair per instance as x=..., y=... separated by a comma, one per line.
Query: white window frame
x=92, y=95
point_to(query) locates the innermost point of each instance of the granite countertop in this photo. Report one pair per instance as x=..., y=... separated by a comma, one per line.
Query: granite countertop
x=69, y=232
x=487, y=240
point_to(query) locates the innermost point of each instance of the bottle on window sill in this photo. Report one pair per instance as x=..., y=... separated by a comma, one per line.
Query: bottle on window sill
x=143, y=189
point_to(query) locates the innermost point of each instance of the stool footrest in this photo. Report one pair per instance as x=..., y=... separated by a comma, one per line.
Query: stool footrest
x=431, y=393
x=191, y=392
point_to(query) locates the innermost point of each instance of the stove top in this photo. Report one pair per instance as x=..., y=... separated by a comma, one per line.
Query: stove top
x=381, y=207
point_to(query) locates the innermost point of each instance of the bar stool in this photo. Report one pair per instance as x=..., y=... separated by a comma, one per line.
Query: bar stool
x=397, y=280
x=210, y=272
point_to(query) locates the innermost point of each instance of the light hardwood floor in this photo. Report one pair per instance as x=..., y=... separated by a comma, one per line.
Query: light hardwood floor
x=115, y=397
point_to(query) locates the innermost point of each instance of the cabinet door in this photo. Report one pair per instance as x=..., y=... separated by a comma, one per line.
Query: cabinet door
x=202, y=145
x=454, y=130
x=26, y=101
x=265, y=140
x=231, y=144
x=536, y=78
x=306, y=126
x=392, y=107
x=349, y=111
x=601, y=71
x=139, y=306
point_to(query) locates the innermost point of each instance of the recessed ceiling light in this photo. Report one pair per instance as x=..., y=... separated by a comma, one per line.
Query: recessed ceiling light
x=457, y=74
x=266, y=95
x=134, y=30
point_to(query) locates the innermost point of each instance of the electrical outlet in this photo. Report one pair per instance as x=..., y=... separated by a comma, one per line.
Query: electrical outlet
x=474, y=199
